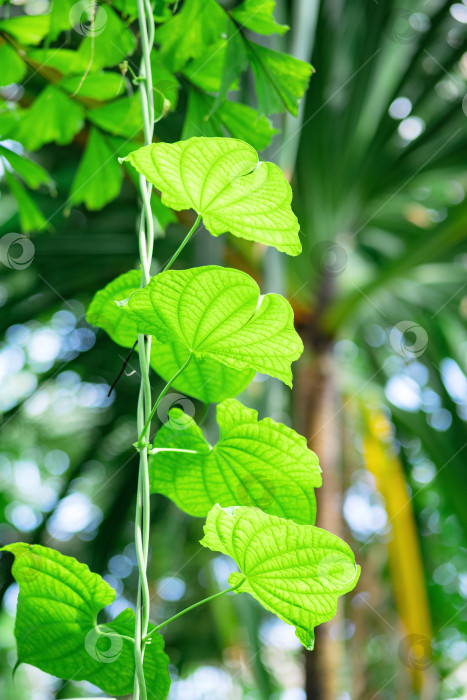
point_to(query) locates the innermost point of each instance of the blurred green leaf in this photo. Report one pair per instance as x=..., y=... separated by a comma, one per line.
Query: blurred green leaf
x=13, y=67
x=32, y=173
x=99, y=175
x=257, y=15
x=60, y=17
x=188, y=33
x=30, y=217
x=100, y=86
x=121, y=117
x=108, y=43
x=52, y=117
x=280, y=79
x=27, y=29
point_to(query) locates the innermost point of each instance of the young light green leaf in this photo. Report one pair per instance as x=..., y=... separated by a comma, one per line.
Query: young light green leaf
x=280, y=79
x=217, y=312
x=295, y=571
x=105, y=312
x=263, y=464
x=99, y=177
x=13, y=67
x=52, y=117
x=257, y=15
x=204, y=378
x=56, y=626
x=223, y=181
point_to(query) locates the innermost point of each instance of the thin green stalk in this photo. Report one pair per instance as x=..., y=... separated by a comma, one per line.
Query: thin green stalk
x=146, y=245
x=145, y=432
x=192, y=607
x=182, y=244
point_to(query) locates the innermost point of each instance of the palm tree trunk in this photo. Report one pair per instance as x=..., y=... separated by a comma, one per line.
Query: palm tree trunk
x=318, y=417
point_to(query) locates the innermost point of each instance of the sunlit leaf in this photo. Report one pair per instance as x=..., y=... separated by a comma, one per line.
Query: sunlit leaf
x=223, y=181
x=295, y=571
x=56, y=625
x=264, y=464
x=204, y=378
x=217, y=312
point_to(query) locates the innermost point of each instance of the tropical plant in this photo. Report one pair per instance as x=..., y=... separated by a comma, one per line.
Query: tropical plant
x=207, y=318
x=382, y=212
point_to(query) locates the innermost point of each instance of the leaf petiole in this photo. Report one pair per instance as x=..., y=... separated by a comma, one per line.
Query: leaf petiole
x=192, y=607
x=190, y=233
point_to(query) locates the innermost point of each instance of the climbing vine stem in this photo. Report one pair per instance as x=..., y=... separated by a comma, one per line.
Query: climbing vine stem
x=146, y=245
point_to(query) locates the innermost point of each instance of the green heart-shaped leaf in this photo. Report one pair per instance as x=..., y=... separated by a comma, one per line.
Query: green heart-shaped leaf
x=263, y=464
x=223, y=180
x=217, y=312
x=204, y=378
x=56, y=626
x=295, y=571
